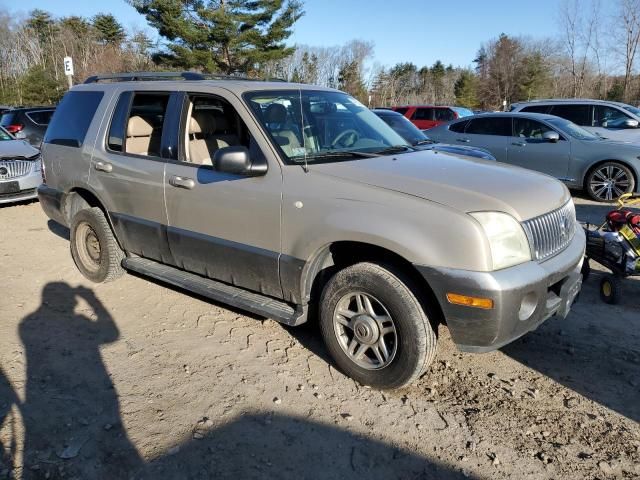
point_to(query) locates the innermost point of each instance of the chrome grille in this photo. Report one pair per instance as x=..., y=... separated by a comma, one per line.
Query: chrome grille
x=552, y=232
x=14, y=168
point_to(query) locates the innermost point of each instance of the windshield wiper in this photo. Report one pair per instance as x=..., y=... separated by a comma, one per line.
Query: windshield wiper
x=395, y=149
x=337, y=154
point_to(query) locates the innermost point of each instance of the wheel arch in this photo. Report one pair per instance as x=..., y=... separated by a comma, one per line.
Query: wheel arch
x=326, y=261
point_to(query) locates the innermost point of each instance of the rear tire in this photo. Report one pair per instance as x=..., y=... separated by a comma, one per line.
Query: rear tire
x=394, y=342
x=608, y=181
x=94, y=248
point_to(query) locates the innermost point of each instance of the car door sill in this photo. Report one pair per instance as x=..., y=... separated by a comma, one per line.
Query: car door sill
x=220, y=292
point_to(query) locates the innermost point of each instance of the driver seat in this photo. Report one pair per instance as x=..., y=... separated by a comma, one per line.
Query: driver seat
x=276, y=119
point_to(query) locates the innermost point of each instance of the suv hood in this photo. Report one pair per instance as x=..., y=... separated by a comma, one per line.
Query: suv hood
x=462, y=183
x=17, y=149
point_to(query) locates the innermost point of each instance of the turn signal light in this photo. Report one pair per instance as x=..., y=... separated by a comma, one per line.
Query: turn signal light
x=477, y=302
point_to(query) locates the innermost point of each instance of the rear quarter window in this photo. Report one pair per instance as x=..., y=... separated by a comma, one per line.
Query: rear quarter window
x=402, y=110
x=40, y=117
x=72, y=118
x=536, y=109
x=458, y=127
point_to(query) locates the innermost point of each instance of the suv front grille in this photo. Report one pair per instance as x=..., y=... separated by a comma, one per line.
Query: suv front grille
x=552, y=232
x=14, y=168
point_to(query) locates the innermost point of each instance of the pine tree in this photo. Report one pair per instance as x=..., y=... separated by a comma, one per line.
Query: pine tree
x=465, y=90
x=108, y=29
x=226, y=36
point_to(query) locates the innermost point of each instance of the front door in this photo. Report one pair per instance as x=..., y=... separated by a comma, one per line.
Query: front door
x=222, y=226
x=127, y=172
x=490, y=133
x=528, y=149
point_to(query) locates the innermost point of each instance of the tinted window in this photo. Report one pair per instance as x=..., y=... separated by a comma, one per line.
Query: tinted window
x=536, y=109
x=527, y=128
x=443, y=115
x=490, y=126
x=608, y=116
x=8, y=119
x=423, y=114
x=402, y=110
x=72, y=118
x=405, y=128
x=41, y=117
x=117, y=129
x=578, y=114
x=458, y=127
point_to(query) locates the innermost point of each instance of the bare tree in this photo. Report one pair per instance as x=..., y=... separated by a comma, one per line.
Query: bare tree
x=627, y=36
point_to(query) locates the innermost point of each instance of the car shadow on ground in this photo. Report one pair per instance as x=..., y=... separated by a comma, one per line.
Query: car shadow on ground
x=595, y=356
x=57, y=229
x=73, y=428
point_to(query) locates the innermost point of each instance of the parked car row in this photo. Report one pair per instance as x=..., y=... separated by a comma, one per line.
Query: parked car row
x=29, y=123
x=551, y=145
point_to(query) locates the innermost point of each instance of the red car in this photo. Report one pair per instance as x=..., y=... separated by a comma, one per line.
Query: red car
x=429, y=116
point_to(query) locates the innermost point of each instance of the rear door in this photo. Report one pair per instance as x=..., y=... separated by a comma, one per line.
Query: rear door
x=220, y=225
x=491, y=133
x=127, y=170
x=423, y=118
x=528, y=149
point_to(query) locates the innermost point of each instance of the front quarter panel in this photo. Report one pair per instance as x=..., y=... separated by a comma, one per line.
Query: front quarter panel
x=319, y=209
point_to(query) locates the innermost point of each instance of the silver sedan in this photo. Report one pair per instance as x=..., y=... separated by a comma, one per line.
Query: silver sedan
x=604, y=169
x=20, y=169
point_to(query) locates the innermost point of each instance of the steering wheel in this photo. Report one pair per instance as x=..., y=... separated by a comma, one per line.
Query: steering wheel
x=353, y=134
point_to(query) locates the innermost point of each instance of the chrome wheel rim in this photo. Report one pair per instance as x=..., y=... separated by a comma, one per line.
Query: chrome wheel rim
x=365, y=330
x=610, y=182
x=89, y=249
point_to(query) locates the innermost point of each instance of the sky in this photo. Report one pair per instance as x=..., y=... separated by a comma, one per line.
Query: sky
x=418, y=31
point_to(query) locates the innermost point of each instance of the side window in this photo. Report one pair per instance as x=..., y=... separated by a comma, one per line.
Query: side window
x=136, y=125
x=40, y=117
x=578, y=114
x=608, y=116
x=443, y=114
x=211, y=124
x=423, y=114
x=536, y=109
x=72, y=118
x=402, y=110
x=527, y=128
x=458, y=127
x=500, y=126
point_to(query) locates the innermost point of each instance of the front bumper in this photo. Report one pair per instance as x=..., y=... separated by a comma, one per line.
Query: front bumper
x=26, y=187
x=524, y=296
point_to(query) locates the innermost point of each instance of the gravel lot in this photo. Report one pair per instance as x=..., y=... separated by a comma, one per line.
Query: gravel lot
x=135, y=380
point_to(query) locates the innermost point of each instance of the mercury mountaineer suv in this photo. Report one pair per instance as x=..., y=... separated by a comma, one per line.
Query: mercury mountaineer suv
x=294, y=202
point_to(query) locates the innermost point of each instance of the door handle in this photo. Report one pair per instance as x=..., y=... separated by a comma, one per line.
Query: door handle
x=182, y=182
x=519, y=144
x=103, y=166
x=463, y=140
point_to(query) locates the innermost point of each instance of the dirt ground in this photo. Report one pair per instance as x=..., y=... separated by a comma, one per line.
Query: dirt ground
x=136, y=380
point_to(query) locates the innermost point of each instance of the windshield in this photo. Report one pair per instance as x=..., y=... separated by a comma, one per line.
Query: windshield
x=572, y=129
x=462, y=112
x=312, y=126
x=4, y=135
x=634, y=110
x=407, y=130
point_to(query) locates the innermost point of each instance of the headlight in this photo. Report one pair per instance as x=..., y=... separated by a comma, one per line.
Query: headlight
x=507, y=240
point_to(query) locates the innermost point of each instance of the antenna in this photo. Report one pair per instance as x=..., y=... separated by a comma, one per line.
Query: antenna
x=304, y=139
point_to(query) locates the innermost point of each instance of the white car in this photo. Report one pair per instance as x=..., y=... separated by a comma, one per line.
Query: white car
x=20, y=169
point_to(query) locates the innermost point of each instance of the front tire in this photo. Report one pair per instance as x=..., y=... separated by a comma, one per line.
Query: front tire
x=374, y=327
x=94, y=248
x=608, y=181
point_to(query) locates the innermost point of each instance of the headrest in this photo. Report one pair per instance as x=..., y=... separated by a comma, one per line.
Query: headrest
x=202, y=122
x=139, y=127
x=276, y=113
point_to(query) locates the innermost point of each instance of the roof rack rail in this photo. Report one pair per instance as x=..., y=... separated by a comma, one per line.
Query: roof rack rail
x=137, y=76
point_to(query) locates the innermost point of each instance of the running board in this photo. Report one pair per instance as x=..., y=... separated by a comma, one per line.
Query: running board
x=218, y=291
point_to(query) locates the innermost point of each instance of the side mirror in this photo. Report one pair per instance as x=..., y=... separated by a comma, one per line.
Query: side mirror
x=236, y=160
x=551, y=137
x=631, y=123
